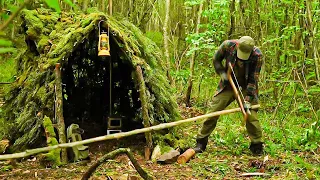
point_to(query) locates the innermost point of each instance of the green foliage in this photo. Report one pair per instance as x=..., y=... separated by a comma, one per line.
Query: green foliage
x=209, y=40
x=7, y=50
x=7, y=67
x=6, y=168
x=192, y=2
x=312, y=136
x=3, y=127
x=47, y=124
x=52, y=156
x=6, y=46
x=5, y=43
x=69, y=2
x=54, y=4
x=156, y=37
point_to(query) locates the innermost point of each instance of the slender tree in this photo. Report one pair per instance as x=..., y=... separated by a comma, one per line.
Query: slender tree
x=166, y=39
x=232, y=19
x=85, y=5
x=192, y=60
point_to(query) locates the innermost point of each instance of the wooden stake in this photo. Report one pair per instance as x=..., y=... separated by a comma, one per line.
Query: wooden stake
x=120, y=135
x=59, y=113
x=236, y=93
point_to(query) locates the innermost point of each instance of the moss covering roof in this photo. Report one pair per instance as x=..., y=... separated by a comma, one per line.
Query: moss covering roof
x=51, y=39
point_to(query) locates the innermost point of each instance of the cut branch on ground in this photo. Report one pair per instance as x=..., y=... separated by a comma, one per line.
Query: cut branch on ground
x=112, y=155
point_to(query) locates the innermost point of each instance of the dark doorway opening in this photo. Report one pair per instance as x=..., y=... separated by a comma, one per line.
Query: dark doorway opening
x=86, y=88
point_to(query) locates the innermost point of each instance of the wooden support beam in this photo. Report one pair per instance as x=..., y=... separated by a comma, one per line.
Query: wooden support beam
x=59, y=113
x=145, y=114
x=120, y=135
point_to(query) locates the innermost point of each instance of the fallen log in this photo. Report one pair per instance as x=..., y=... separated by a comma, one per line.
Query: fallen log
x=119, y=135
x=112, y=155
x=186, y=156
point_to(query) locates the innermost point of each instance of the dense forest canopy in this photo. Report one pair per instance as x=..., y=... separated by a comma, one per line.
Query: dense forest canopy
x=187, y=34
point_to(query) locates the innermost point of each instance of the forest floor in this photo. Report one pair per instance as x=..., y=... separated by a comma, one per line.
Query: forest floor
x=227, y=156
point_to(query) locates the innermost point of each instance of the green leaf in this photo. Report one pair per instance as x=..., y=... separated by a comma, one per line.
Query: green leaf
x=5, y=43
x=54, y=4
x=70, y=3
x=5, y=16
x=13, y=8
x=6, y=50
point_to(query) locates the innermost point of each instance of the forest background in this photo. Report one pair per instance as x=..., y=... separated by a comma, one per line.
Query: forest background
x=189, y=32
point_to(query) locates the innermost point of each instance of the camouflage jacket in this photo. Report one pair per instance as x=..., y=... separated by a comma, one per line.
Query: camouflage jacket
x=228, y=51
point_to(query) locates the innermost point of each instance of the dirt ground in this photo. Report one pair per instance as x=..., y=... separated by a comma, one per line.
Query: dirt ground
x=117, y=168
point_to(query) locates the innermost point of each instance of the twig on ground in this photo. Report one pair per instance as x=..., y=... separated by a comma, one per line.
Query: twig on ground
x=254, y=174
x=112, y=155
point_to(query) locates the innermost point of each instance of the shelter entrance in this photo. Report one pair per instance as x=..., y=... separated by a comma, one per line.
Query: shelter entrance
x=86, y=88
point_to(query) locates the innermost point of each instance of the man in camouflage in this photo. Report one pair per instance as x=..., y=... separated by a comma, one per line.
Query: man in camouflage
x=246, y=60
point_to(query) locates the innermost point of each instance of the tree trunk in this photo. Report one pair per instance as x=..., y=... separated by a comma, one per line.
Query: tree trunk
x=110, y=7
x=103, y=5
x=232, y=19
x=312, y=47
x=242, y=16
x=85, y=5
x=192, y=61
x=1, y=7
x=59, y=113
x=298, y=36
x=166, y=40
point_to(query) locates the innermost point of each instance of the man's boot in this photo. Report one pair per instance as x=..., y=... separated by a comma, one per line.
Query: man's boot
x=201, y=144
x=256, y=148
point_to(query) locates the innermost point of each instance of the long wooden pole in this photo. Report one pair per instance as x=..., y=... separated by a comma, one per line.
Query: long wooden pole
x=236, y=93
x=120, y=135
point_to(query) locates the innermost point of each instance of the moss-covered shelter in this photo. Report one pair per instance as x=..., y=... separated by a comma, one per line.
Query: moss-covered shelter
x=72, y=40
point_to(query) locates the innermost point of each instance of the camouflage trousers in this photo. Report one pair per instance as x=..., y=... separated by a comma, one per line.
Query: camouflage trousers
x=220, y=102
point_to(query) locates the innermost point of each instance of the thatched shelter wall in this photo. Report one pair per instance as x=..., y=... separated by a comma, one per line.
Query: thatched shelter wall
x=71, y=40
